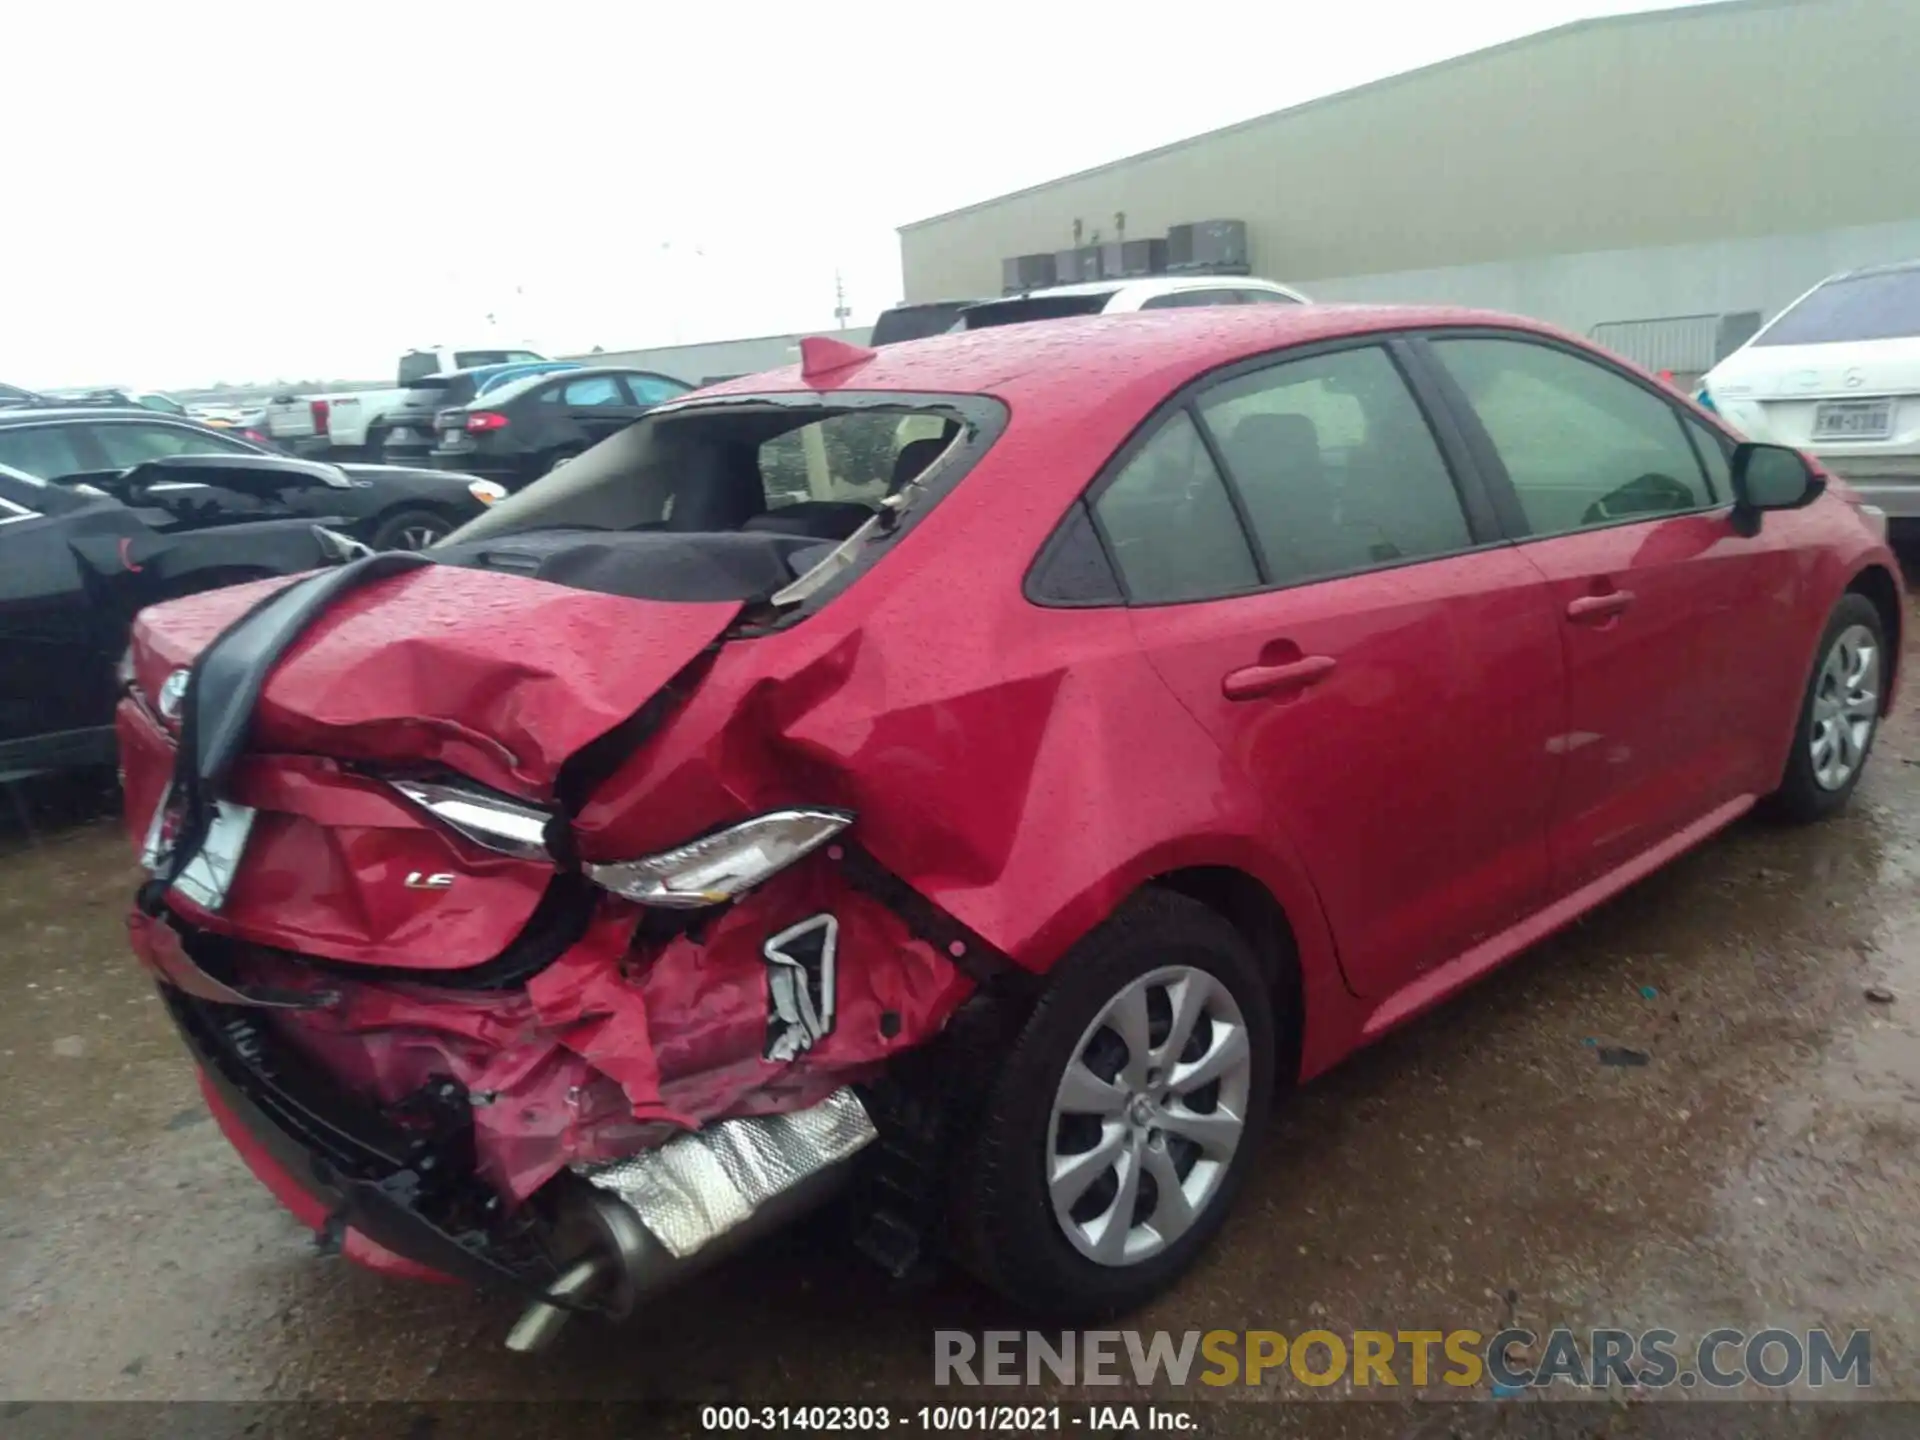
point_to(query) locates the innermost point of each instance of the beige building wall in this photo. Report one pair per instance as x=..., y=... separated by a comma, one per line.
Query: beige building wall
x=1743, y=119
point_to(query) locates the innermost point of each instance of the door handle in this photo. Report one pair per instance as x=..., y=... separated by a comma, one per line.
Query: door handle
x=1599, y=607
x=1251, y=682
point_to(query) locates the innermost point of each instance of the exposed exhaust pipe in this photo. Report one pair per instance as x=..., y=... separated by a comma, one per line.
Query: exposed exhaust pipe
x=647, y=1222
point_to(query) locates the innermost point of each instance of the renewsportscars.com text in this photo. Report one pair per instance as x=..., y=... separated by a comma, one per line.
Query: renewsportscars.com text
x=1511, y=1359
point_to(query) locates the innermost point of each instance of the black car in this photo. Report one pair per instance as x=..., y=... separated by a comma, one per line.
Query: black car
x=519, y=431
x=387, y=507
x=75, y=566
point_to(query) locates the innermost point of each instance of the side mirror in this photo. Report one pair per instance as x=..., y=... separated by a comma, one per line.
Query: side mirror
x=1770, y=477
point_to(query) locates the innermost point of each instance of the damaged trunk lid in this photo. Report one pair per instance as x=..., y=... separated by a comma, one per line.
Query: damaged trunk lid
x=438, y=674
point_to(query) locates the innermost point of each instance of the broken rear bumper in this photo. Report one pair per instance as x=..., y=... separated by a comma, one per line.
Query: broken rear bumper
x=392, y=1201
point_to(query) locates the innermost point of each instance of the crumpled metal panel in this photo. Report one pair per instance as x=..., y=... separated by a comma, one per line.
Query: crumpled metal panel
x=697, y=1187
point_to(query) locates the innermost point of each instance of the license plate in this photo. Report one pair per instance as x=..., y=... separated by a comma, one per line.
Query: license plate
x=400, y=435
x=209, y=875
x=1853, y=420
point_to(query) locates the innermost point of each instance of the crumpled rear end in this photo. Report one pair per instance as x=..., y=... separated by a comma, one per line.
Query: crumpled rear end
x=623, y=1040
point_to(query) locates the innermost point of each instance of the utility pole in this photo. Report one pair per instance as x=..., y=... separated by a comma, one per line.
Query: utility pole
x=840, y=308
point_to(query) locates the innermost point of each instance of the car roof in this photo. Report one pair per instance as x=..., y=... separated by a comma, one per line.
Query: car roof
x=1068, y=362
x=40, y=414
x=1892, y=268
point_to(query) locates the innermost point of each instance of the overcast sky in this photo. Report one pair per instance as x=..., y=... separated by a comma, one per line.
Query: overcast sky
x=204, y=191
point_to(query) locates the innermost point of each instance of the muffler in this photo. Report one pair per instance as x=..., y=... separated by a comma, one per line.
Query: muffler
x=641, y=1224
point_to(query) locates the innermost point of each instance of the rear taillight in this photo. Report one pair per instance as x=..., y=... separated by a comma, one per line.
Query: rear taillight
x=322, y=414
x=256, y=437
x=481, y=421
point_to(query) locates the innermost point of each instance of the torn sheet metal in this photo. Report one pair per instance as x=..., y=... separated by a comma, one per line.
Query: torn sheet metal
x=695, y=1188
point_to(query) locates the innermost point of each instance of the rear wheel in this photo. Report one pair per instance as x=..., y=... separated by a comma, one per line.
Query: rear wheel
x=411, y=530
x=1123, y=1120
x=1839, y=714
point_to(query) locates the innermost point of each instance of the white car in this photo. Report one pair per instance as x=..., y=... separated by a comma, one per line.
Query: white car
x=1113, y=297
x=1837, y=373
x=1092, y=297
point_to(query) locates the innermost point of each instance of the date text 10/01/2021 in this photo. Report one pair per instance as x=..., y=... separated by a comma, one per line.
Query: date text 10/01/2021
x=962, y=1419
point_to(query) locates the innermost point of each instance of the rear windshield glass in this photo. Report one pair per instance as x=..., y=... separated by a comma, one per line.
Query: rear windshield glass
x=735, y=502
x=1034, y=307
x=916, y=322
x=1861, y=307
x=468, y=359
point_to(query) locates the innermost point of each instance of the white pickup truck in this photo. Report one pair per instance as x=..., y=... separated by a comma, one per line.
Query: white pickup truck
x=353, y=424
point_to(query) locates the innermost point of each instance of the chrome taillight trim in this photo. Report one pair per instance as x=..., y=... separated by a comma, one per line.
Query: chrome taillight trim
x=506, y=827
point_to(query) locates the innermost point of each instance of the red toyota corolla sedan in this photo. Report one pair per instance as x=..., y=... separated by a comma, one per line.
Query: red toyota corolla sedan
x=977, y=774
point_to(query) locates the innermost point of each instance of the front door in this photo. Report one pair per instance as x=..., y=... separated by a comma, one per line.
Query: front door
x=1665, y=610
x=1304, y=576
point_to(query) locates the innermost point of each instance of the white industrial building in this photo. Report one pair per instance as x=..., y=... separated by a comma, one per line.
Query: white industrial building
x=1663, y=181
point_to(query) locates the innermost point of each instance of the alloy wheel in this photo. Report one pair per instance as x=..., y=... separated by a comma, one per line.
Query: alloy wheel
x=1846, y=706
x=1148, y=1115
x=419, y=537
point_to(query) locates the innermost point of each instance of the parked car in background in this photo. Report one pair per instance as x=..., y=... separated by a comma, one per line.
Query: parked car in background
x=413, y=433
x=993, y=819
x=1838, y=373
x=75, y=566
x=1093, y=297
x=520, y=431
x=112, y=395
x=384, y=506
x=354, y=424
x=11, y=395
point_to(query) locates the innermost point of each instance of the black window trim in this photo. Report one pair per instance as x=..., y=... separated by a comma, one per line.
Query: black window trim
x=1505, y=496
x=1476, y=504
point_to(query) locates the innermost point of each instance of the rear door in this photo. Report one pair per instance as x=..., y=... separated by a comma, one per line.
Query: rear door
x=53, y=676
x=1677, y=628
x=596, y=406
x=1325, y=589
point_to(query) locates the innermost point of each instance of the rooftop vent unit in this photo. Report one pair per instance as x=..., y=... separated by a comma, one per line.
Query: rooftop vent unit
x=1020, y=273
x=1130, y=259
x=1078, y=264
x=1208, y=247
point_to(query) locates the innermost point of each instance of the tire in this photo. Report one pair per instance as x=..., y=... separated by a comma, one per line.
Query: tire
x=1856, y=683
x=410, y=530
x=374, y=451
x=1007, y=1229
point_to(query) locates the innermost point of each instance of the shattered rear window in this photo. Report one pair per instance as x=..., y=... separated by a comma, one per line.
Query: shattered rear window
x=740, y=500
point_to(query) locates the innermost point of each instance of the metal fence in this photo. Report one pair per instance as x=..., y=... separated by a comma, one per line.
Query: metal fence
x=1683, y=344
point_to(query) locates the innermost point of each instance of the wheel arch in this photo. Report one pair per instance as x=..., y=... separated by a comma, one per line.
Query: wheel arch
x=1252, y=909
x=373, y=523
x=1877, y=584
